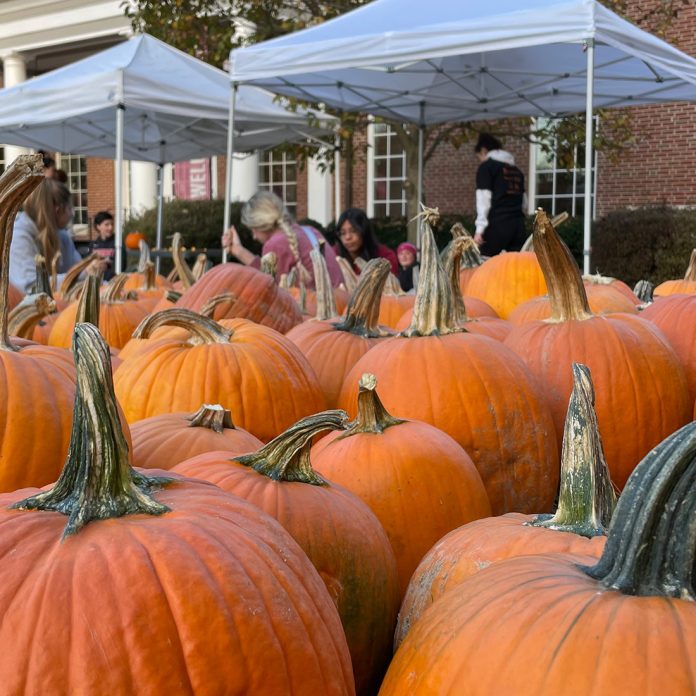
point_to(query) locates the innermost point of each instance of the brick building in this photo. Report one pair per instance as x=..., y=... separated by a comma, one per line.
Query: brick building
x=40, y=35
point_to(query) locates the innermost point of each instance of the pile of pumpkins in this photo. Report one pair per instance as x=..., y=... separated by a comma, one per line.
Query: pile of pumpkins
x=206, y=490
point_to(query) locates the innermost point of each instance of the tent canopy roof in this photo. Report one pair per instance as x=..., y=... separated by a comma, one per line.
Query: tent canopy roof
x=175, y=107
x=437, y=61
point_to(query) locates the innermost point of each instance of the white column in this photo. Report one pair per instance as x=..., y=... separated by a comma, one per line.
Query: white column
x=143, y=186
x=319, y=193
x=245, y=176
x=14, y=71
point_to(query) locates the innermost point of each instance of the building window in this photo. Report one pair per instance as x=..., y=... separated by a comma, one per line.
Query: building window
x=388, y=173
x=559, y=179
x=278, y=173
x=76, y=169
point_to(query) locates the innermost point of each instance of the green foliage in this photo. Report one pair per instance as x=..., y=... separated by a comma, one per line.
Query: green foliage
x=645, y=244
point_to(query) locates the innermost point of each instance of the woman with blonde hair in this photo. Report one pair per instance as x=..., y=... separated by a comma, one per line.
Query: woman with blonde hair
x=271, y=224
x=41, y=229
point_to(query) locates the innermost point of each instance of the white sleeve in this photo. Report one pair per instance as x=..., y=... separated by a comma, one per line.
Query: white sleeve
x=525, y=203
x=483, y=206
x=23, y=249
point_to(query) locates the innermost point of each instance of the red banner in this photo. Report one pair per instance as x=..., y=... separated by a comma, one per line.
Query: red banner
x=192, y=180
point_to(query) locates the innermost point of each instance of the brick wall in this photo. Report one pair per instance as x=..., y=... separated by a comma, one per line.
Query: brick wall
x=100, y=186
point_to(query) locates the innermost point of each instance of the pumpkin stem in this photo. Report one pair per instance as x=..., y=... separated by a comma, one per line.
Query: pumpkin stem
x=16, y=183
x=286, y=457
x=212, y=416
x=208, y=309
x=183, y=271
x=451, y=260
x=372, y=416
x=350, y=277
x=651, y=545
x=149, y=275
x=563, y=279
x=71, y=278
x=144, y=255
x=269, y=264
x=202, y=329
x=97, y=481
x=200, y=266
x=587, y=498
x=326, y=302
x=433, y=310
x=88, y=304
x=690, y=274
x=362, y=313
x=28, y=313
x=43, y=282
x=173, y=295
x=113, y=292
x=643, y=290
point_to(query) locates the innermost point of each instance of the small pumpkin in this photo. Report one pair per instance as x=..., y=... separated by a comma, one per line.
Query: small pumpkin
x=133, y=240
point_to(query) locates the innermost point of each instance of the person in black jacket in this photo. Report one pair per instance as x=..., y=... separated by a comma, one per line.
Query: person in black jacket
x=103, y=242
x=500, y=199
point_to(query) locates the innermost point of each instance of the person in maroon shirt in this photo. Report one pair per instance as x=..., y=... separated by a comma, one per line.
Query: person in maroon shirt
x=356, y=239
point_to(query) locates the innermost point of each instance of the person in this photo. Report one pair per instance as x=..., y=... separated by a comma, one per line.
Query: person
x=41, y=229
x=271, y=224
x=356, y=239
x=103, y=241
x=407, y=255
x=49, y=165
x=499, y=199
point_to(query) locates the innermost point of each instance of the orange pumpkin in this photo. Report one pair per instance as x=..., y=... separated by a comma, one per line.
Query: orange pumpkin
x=473, y=388
x=254, y=371
x=133, y=240
x=201, y=580
x=585, y=505
x=161, y=442
x=632, y=365
x=337, y=531
x=680, y=287
x=558, y=625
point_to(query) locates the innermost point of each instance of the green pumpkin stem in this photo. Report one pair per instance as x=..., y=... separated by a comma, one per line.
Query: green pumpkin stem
x=43, y=281
x=651, y=546
x=173, y=296
x=362, y=313
x=212, y=416
x=97, y=482
x=16, y=183
x=372, y=416
x=326, y=302
x=88, y=304
x=22, y=320
x=567, y=293
x=433, y=310
x=68, y=288
x=586, y=499
x=203, y=330
x=643, y=290
x=286, y=457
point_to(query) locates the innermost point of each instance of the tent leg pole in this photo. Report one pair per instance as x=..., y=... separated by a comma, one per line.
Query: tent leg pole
x=228, y=169
x=160, y=207
x=421, y=138
x=589, y=123
x=337, y=177
x=118, y=213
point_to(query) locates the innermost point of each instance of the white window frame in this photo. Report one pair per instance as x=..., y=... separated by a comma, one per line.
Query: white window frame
x=278, y=158
x=65, y=162
x=372, y=178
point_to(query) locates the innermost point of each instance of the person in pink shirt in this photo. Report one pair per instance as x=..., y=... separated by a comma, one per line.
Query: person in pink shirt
x=356, y=238
x=271, y=224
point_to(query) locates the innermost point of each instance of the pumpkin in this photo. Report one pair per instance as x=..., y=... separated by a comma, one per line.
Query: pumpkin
x=471, y=256
x=338, y=532
x=585, y=505
x=564, y=625
x=24, y=320
x=685, y=286
x=598, y=280
x=507, y=280
x=146, y=281
x=417, y=480
x=133, y=240
x=161, y=442
x=333, y=347
x=252, y=370
x=189, y=578
x=632, y=365
x=675, y=316
x=472, y=387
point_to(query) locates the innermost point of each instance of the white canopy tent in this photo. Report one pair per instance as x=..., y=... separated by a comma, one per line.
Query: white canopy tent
x=142, y=100
x=439, y=61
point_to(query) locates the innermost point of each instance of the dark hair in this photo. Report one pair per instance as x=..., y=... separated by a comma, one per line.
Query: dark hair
x=101, y=216
x=48, y=161
x=360, y=222
x=487, y=141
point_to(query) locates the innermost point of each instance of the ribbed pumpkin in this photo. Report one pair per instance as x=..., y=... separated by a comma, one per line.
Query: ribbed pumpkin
x=585, y=505
x=161, y=442
x=333, y=347
x=598, y=280
x=558, y=625
x=417, y=480
x=254, y=371
x=675, y=316
x=337, y=531
x=175, y=593
x=686, y=286
x=29, y=319
x=37, y=383
x=507, y=280
x=259, y=299
x=633, y=367
x=473, y=388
